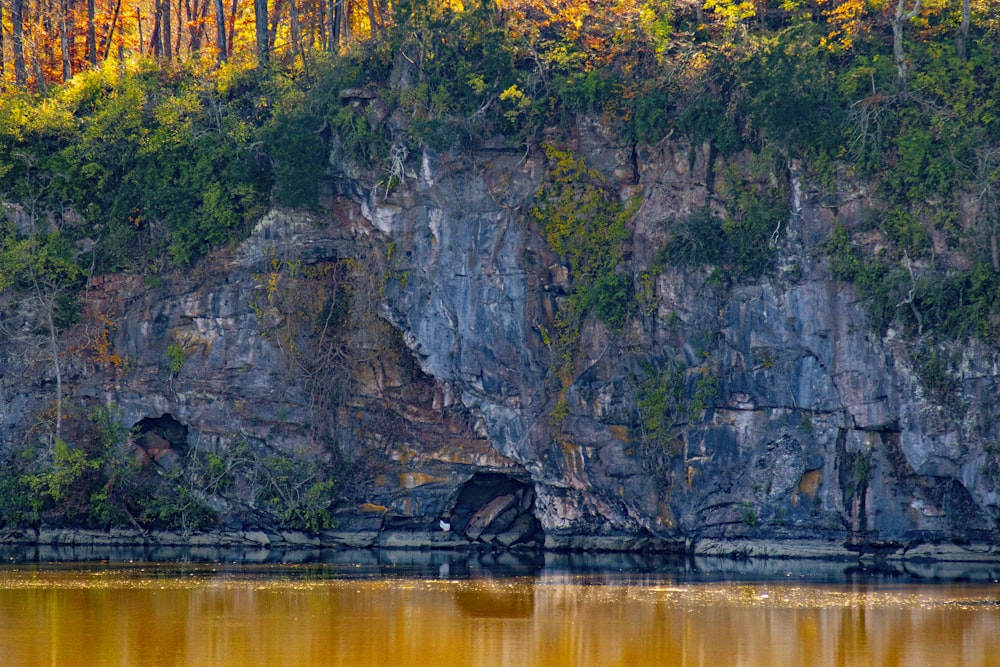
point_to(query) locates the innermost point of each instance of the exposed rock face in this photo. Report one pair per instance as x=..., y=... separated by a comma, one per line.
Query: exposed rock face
x=811, y=426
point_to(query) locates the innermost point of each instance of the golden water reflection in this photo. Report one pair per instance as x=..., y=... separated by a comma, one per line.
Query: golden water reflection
x=201, y=618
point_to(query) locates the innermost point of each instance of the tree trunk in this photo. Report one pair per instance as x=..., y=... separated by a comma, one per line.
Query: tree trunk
x=333, y=26
x=47, y=46
x=293, y=26
x=345, y=17
x=898, y=24
x=202, y=9
x=67, y=61
x=156, y=37
x=92, y=33
x=36, y=67
x=296, y=30
x=165, y=29
x=232, y=24
x=260, y=26
x=272, y=31
x=1, y=47
x=17, y=17
x=180, y=29
x=196, y=14
x=220, y=31
x=54, y=343
x=111, y=31
x=373, y=26
x=192, y=27
x=963, y=29
x=138, y=20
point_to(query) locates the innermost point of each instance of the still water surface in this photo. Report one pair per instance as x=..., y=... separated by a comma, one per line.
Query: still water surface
x=290, y=615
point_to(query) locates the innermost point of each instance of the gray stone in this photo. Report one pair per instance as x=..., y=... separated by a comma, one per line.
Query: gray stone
x=257, y=537
x=519, y=531
x=485, y=517
x=813, y=424
x=299, y=538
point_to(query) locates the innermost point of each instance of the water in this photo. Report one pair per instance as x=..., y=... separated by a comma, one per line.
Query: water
x=426, y=609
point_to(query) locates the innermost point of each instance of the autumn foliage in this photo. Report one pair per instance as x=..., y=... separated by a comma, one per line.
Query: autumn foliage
x=44, y=42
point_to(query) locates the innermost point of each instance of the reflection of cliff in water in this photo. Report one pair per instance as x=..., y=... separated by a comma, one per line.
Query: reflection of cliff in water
x=486, y=602
x=547, y=568
x=237, y=615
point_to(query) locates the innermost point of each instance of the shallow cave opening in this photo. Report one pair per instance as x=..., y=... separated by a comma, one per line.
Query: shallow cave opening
x=161, y=440
x=496, y=509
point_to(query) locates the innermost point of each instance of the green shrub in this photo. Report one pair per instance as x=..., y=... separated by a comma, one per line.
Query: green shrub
x=793, y=101
x=147, y=159
x=610, y=299
x=660, y=400
x=706, y=118
x=588, y=227
x=176, y=356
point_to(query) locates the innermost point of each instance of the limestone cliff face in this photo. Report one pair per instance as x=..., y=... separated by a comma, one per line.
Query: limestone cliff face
x=808, y=425
x=815, y=425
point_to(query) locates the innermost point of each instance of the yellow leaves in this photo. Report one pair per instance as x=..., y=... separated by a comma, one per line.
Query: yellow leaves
x=851, y=20
x=696, y=68
x=477, y=83
x=731, y=13
x=516, y=98
x=566, y=15
x=512, y=94
x=845, y=19
x=272, y=285
x=99, y=348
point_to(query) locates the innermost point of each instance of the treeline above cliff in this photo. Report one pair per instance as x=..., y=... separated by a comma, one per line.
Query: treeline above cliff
x=138, y=164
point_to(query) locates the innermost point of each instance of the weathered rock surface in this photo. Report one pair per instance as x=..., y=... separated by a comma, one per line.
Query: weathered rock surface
x=817, y=428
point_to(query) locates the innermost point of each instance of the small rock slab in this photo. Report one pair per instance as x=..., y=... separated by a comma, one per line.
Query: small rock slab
x=519, y=531
x=486, y=515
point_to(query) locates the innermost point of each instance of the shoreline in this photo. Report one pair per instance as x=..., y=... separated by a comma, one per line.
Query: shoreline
x=736, y=549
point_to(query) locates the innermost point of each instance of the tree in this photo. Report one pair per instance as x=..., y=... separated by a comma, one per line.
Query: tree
x=111, y=31
x=963, y=28
x=197, y=11
x=899, y=20
x=167, y=53
x=91, y=34
x=220, y=31
x=64, y=38
x=42, y=273
x=732, y=14
x=260, y=31
x=333, y=23
x=17, y=19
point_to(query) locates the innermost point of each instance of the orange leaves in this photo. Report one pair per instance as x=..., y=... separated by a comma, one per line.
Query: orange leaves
x=579, y=34
x=97, y=347
x=852, y=20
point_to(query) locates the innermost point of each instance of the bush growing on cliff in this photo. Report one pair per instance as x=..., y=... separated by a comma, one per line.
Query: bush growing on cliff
x=138, y=163
x=98, y=478
x=589, y=228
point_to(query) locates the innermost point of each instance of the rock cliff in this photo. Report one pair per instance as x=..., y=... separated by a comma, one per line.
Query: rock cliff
x=403, y=336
